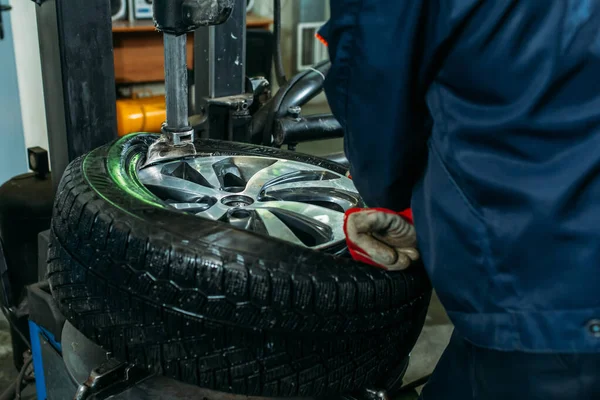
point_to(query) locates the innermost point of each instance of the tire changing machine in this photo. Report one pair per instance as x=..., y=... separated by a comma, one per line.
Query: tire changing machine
x=80, y=105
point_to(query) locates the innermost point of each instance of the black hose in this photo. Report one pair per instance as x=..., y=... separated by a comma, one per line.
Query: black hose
x=14, y=390
x=9, y=317
x=306, y=129
x=21, y=378
x=273, y=107
x=277, y=57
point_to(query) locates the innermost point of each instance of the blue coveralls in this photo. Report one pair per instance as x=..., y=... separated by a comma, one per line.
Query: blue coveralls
x=484, y=116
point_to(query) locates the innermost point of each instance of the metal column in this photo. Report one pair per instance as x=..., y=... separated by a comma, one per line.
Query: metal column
x=219, y=59
x=176, y=82
x=76, y=48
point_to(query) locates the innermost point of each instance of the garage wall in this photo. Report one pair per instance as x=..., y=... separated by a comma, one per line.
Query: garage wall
x=12, y=144
x=265, y=7
x=29, y=73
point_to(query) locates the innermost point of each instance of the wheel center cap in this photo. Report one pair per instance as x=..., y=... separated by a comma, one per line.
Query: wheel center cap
x=237, y=201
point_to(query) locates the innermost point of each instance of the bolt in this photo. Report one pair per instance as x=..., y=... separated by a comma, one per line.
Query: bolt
x=382, y=395
x=294, y=111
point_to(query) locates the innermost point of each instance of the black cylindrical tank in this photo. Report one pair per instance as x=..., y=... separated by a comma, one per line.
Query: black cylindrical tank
x=25, y=210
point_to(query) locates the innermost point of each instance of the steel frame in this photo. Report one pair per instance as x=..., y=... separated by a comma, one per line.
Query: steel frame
x=76, y=49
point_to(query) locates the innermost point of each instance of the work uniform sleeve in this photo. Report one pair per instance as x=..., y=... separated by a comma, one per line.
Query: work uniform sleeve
x=375, y=90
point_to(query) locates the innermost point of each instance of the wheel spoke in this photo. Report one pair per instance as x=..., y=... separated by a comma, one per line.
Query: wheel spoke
x=316, y=216
x=340, y=184
x=315, y=177
x=318, y=213
x=334, y=199
x=276, y=228
x=191, y=207
x=265, y=175
x=169, y=187
x=206, y=170
x=214, y=213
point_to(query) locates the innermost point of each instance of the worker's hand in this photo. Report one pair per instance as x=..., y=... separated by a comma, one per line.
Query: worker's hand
x=382, y=238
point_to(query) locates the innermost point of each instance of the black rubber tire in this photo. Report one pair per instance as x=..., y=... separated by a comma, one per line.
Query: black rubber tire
x=215, y=306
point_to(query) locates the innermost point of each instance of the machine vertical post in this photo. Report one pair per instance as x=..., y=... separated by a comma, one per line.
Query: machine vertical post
x=78, y=74
x=176, y=88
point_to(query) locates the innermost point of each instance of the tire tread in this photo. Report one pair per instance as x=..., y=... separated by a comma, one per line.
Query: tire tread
x=209, y=316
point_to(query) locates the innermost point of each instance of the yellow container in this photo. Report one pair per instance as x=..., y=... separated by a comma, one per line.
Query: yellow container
x=140, y=115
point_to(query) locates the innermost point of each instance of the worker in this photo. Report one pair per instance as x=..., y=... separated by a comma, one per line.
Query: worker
x=484, y=117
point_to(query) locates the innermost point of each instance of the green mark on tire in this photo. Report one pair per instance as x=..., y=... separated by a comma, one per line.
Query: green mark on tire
x=122, y=170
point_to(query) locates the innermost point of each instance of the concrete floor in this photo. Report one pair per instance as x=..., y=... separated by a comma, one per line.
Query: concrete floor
x=433, y=340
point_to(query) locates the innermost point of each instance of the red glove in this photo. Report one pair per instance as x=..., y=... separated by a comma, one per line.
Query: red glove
x=381, y=237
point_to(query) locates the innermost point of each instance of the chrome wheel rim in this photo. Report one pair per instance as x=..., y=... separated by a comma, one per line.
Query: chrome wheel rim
x=294, y=201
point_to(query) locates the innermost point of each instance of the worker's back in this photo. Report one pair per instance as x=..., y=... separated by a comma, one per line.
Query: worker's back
x=506, y=185
x=508, y=210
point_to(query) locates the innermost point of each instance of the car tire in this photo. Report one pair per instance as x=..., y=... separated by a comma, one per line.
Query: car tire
x=216, y=306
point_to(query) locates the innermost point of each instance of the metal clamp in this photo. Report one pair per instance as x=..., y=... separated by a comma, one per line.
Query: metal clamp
x=179, y=137
x=165, y=148
x=111, y=377
x=178, y=17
